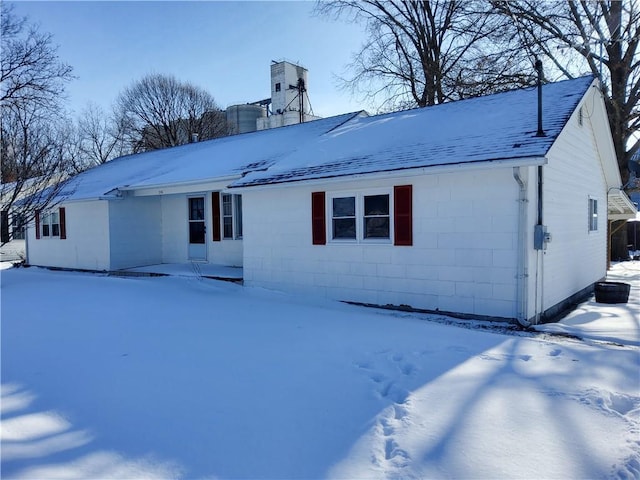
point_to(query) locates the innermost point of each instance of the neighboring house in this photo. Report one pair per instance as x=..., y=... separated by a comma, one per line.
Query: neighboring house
x=461, y=208
x=12, y=227
x=12, y=237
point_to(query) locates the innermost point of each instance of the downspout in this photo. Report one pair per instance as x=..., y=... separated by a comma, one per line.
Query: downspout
x=522, y=274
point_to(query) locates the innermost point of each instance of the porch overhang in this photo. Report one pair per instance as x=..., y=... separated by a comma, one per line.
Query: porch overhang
x=620, y=206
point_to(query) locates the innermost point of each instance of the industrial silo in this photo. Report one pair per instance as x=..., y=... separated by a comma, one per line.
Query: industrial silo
x=243, y=117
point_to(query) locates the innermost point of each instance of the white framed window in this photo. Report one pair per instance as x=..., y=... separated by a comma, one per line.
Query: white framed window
x=363, y=217
x=17, y=226
x=227, y=215
x=376, y=216
x=593, y=214
x=231, y=216
x=50, y=224
x=343, y=218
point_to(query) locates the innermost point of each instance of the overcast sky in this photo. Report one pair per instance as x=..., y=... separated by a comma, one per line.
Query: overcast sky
x=224, y=47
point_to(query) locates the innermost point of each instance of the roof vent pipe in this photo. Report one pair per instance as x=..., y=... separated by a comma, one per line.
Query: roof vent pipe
x=540, y=132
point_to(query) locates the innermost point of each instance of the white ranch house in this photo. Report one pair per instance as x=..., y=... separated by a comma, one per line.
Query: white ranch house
x=460, y=208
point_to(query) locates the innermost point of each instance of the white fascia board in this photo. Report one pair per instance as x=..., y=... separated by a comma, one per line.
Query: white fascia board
x=404, y=173
x=215, y=183
x=66, y=201
x=602, y=133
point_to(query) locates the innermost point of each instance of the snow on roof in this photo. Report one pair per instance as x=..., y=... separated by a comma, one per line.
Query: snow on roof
x=493, y=127
x=203, y=161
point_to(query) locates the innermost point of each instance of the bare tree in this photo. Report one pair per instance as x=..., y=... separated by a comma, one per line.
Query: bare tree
x=603, y=36
x=427, y=52
x=160, y=111
x=100, y=138
x=32, y=81
x=34, y=164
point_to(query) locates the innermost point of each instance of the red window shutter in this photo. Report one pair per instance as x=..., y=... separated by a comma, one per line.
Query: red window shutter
x=403, y=215
x=215, y=216
x=37, y=224
x=63, y=223
x=318, y=218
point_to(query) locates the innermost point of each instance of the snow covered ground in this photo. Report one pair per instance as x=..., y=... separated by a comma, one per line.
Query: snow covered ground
x=178, y=377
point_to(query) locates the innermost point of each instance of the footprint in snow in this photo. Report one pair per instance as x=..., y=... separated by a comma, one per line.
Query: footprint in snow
x=407, y=368
x=363, y=365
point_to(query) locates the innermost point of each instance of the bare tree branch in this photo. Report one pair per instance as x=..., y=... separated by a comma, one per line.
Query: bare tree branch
x=604, y=36
x=427, y=52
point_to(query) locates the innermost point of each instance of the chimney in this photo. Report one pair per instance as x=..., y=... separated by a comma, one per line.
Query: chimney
x=194, y=138
x=540, y=132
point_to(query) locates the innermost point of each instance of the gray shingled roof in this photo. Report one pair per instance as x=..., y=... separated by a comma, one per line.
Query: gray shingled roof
x=489, y=128
x=204, y=161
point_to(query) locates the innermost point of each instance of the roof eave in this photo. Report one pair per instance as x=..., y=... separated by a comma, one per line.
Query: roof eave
x=186, y=183
x=401, y=173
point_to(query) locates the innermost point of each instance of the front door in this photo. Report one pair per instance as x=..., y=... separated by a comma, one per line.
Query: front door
x=197, y=229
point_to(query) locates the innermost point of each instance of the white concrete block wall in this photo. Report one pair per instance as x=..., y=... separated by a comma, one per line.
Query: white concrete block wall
x=174, y=228
x=87, y=243
x=575, y=258
x=462, y=258
x=135, y=232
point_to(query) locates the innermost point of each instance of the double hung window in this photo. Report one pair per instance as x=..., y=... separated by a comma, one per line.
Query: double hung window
x=50, y=224
x=344, y=218
x=17, y=225
x=360, y=217
x=376, y=216
x=231, y=216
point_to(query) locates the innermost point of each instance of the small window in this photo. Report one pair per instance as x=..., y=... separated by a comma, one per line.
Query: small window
x=376, y=216
x=50, y=224
x=227, y=216
x=344, y=218
x=17, y=226
x=593, y=215
x=580, y=117
x=277, y=87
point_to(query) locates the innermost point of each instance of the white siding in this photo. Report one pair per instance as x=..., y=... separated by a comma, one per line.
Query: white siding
x=175, y=233
x=87, y=243
x=463, y=257
x=575, y=258
x=135, y=232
